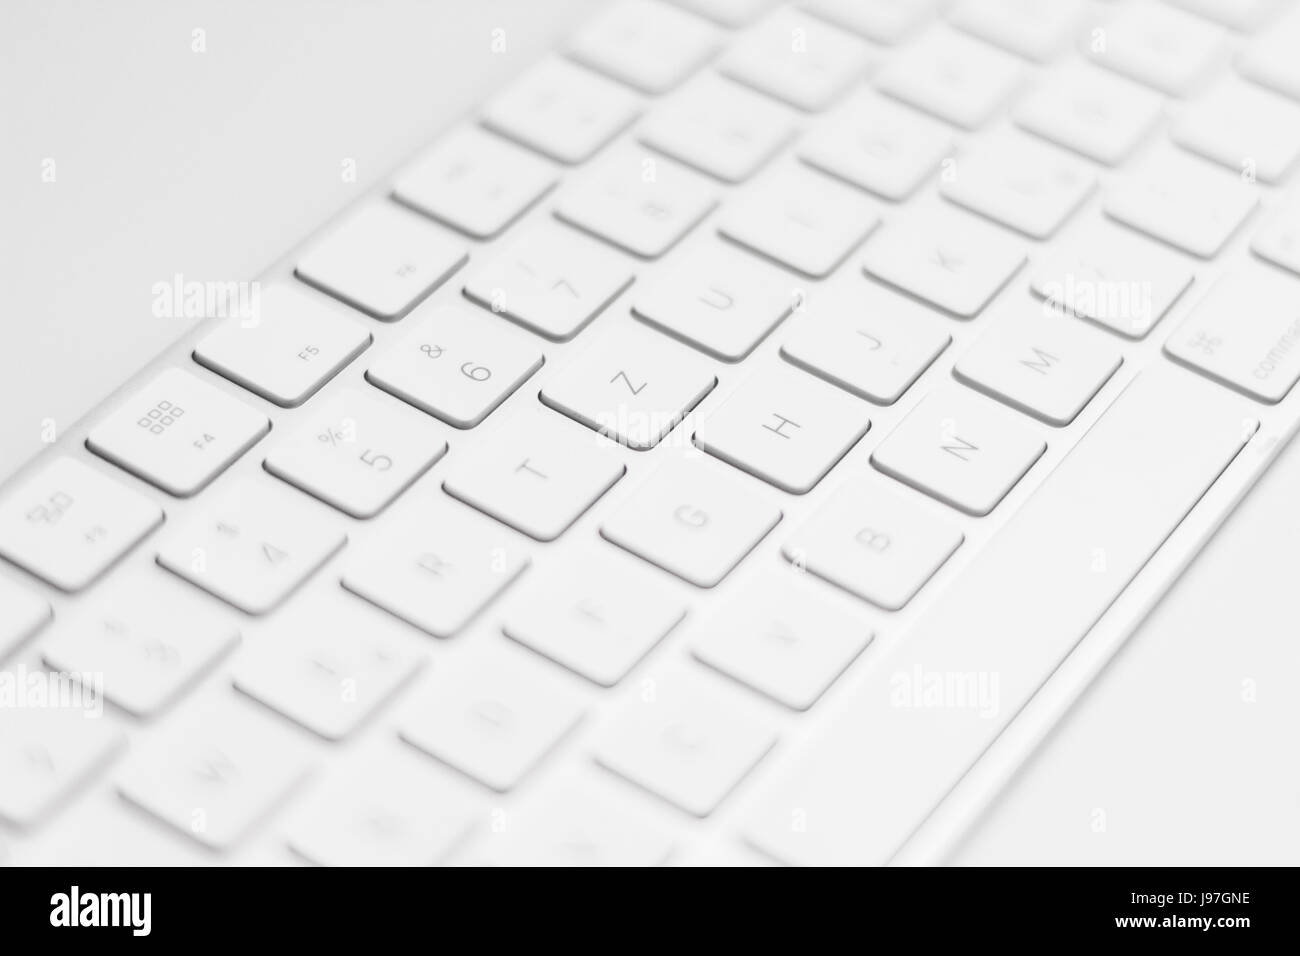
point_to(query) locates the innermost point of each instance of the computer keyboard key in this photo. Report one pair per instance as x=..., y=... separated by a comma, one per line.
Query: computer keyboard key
x=1278, y=239
x=1183, y=202
x=1245, y=333
x=216, y=775
x=719, y=300
x=494, y=720
x=68, y=523
x=178, y=432
x=46, y=754
x=960, y=449
x=382, y=259
x=785, y=427
x=781, y=639
x=719, y=128
x=949, y=261
x=392, y=809
x=1270, y=59
x=1251, y=131
x=1111, y=277
x=327, y=662
x=253, y=545
x=561, y=110
x=296, y=344
x=633, y=386
x=357, y=452
x=878, y=145
x=799, y=218
x=684, y=744
x=582, y=828
x=598, y=616
x=150, y=640
x=437, y=565
x=1093, y=112
x=1031, y=594
x=551, y=280
x=874, y=543
x=457, y=364
x=1034, y=30
x=1044, y=365
x=727, y=13
x=693, y=519
x=1019, y=183
x=953, y=77
x=646, y=45
x=22, y=613
x=865, y=339
x=1164, y=48
x=475, y=182
x=637, y=202
x=881, y=21
x=538, y=475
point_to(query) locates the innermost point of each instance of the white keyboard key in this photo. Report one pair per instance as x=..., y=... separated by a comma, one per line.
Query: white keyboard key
x=22, y=614
x=798, y=59
x=633, y=386
x=68, y=523
x=783, y=640
x=883, y=21
x=952, y=77
x=537, y=476
x=1114, y=278
x=1097, y=114
x=437, y=565
x=685, y=745
x=598, y=616
x=785, y=427
x=718, y=299
x=381, y=259
x=134, y=638
x=639, y=203
x=1181, y=201
x=45, y=754
x=1164, y=48
x=1253, y=132
x=561, y=110
x=495, y=720
x=949, y=261
x=577, y=828
x=327, y=662
x=551, y=280
x=216, y=776
x=1270, y=59
x=878, y=145
x=357, y=452
x=1042, y=364
x=866, y=339
x=1245, y=333
x=475, y=182
x=1034, y=29
x=178, y=432
x=1245, y=16
x=693, y=519
x=1025, y=186
x=728, y=13
x=253, y=545
x=457, y=363
x=297, y=344
x=719, y=128
x=646, y=45
x=874, y=543
x=1278, y=239
x=961, y=449
x=393, y=809
x=801, y=219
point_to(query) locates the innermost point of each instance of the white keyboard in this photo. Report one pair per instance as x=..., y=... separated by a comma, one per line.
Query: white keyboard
x=700, y=455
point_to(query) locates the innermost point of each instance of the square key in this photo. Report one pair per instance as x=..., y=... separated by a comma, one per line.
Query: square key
x=693, y=519
x=178, y=432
